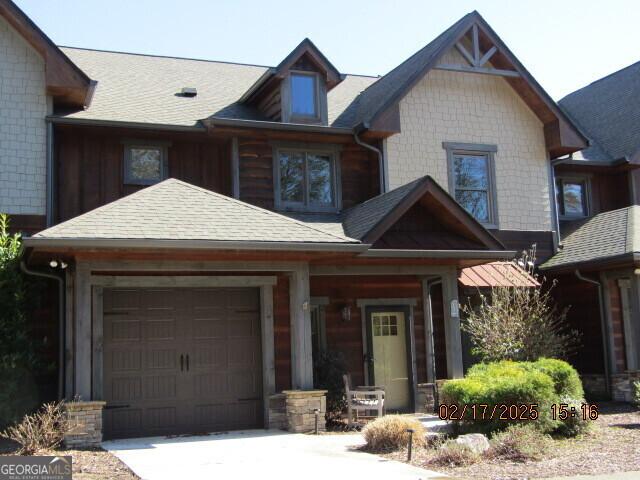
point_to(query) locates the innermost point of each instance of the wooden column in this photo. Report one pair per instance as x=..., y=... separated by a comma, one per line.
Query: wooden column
x=428, y=330
x=268, y=360
x=300, y=306
x=68, y=341
x=452, y=334
x=83, y=331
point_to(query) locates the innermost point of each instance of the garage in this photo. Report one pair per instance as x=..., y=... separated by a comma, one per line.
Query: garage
x=181, y=360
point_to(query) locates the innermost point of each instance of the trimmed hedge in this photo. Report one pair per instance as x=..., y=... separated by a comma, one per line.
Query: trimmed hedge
x=543, y=383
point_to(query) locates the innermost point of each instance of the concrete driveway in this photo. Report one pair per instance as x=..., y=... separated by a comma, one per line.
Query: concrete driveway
x=258, y=454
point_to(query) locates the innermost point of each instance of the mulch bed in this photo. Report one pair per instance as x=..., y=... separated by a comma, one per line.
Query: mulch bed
x=89, y=464
x=613, y=445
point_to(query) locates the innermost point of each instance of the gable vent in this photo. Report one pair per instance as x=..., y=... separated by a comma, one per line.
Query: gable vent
x=189, y=91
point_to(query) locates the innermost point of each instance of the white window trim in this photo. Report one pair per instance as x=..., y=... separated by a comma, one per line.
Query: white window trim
x=575, y=178
x=305, y=206
x=164, y=162
x=479, y=149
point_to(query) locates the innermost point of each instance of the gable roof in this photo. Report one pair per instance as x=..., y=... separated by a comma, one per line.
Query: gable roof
x=561, y=135
x=176, y=214
x=608, y=111
x=65, y=81
x=370, y=220
x=606, y=237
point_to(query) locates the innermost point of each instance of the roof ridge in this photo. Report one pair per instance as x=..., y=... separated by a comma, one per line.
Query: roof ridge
x=255, y=207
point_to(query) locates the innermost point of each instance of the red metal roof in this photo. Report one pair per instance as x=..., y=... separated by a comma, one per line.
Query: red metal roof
x=496, y=274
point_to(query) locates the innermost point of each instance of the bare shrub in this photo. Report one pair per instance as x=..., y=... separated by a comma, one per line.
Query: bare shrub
x=452, y=454
x=519, y=323
x=43, y=429
x=520, y=443
x=390, y=433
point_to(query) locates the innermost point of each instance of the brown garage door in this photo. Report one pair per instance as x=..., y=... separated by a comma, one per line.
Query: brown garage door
x=181, y=360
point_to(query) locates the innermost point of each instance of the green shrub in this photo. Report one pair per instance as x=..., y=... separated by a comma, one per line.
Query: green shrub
x=501, y=383
x=636, y=393
x=566, y=380
x=520, y=443
x=328, y=369
x=452, y=454
x=390, y=433
x=573, y=425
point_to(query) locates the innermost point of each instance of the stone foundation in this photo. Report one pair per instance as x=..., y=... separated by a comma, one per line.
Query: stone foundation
x=300, y=407
x=278, y=411
x=426, y=398
x=622, y=385
x=84, y=424
x=594, y=385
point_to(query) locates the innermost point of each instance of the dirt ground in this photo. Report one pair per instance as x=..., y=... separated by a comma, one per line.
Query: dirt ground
x=612, y=445
x=93, y=464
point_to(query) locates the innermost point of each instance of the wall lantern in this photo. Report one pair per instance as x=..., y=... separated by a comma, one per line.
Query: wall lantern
x=346, y=313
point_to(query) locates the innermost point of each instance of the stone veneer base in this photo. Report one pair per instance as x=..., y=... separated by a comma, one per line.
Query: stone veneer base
x=84, y=424
x=295, y=410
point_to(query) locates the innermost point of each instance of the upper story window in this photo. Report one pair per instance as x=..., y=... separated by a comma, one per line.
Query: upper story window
x=304, y=96
x=145, y=164
x=306, y=180
x=472, y=180
x=572, y=197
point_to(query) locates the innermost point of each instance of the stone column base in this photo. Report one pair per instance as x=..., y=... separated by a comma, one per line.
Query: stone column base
x=426, y=398
x=84, y=424
x=300, y=407
x=278, y=411
x=622, y=385
x=595, y=385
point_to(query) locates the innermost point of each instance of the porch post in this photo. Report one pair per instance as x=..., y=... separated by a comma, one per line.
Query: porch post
x=300, y=306
x=452, y=335
x=83, y=344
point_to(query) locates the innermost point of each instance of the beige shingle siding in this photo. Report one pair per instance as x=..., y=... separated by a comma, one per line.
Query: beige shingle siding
x=143, y=88
x=175, y=210
x=606, y=235
x=468, y=108
x=23, y=107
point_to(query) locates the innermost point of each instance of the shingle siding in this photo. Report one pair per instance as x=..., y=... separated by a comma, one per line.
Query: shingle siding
x=23, y=107
x=482, y=109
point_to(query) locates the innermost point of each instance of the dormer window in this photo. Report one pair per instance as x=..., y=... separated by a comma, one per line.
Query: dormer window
x=304, y=96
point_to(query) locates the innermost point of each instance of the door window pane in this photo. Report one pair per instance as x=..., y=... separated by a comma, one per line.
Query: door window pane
x=320, y=183
x=303, y=95
x=292, y=176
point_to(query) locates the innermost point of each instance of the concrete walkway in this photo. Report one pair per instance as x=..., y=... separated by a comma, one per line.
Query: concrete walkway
x=259, y=454
x=603, y=476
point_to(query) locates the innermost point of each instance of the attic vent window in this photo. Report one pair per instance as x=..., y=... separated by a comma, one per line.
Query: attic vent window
x=189, y=91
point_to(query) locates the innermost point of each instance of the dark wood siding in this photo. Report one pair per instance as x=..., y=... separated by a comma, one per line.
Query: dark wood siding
x=584, y=316
x=346, y=336
x=89, y=165
x=520, y=240
x=358, y=172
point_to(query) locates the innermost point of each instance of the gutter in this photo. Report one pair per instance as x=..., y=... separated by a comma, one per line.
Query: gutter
x=212, y=122
x=61, y=321
x=114, y=123
x=603, y=327
x=554, y=204
x=468, y=254
x=381, y=161
x=92, y=243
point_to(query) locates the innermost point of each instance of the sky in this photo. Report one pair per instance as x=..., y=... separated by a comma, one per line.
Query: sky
x=565, y=44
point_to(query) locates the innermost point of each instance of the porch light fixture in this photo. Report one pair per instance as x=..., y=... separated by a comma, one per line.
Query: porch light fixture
x=53, y=264
x=346, y=313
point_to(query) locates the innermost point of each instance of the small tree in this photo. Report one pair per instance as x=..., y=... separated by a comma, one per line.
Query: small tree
x=519, y=323
x=18, y=358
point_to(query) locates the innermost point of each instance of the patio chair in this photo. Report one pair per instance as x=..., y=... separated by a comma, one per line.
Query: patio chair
x=362, y=399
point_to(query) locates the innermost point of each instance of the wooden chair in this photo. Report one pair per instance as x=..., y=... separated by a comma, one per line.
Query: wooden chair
x=363, y=399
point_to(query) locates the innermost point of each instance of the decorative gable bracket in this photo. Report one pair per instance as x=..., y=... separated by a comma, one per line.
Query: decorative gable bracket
x=478, y=58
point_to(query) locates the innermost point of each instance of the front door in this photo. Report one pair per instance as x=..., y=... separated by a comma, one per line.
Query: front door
x=389, y=348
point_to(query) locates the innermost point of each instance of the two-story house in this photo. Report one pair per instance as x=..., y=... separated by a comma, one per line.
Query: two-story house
x=596, y=266
x=221, y=224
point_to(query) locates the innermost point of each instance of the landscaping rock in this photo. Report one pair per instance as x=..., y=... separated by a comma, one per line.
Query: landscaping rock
x=475, y=442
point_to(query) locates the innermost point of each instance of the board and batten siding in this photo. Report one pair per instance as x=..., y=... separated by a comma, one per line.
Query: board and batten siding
x=23, y=108
x=481, y=109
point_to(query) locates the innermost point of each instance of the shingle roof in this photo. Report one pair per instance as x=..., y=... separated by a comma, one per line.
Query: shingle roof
x=608, y=111
x=175, y=210
x=144, y=88
x=602, y=237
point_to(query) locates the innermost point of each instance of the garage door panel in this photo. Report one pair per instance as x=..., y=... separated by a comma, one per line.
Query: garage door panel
x=218, y=386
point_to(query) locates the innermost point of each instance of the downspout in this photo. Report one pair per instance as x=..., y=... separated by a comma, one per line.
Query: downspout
x=554, y=200
x=380, y=159
x=603, y=326
x=61, y=321
x=50, y=173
